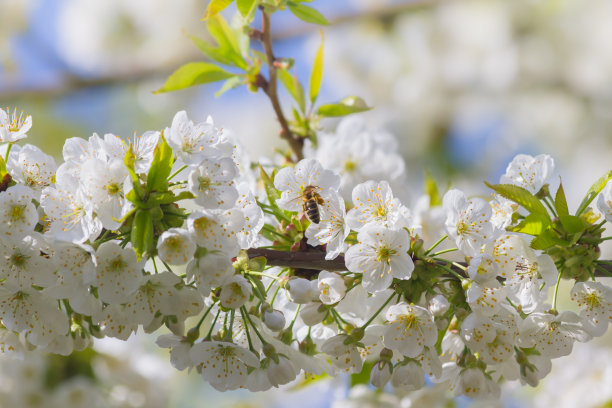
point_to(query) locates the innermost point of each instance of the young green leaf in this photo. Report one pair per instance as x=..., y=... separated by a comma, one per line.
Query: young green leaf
x=593, y=191
x=271, y=191
x=520, y=196
x=194, y=73
x=229, y=45
x=573, y=224
x=293, y=86
x=307, y=13
x=161, y=167
x=231, y=83
x=215, y=7
x=431, y=189
x=348, y=105
x=142, y=233
x=211, y=52
x=561, y=201
x=546, y=240
x=246, y=7
x=317, y=72
x=533, y=224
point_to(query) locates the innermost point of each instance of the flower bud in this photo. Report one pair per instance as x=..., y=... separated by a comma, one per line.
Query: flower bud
x=313, y=313
x=438, y=305
x=281, y=371
x=301, y=290
x=381, y=373
x=274, y=319
x=408, y=377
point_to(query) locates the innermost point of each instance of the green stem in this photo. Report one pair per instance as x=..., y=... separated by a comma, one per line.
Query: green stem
x=607, y=272
x=447, y=269
x=297, y=311
x=212, y=326
x=556, y=292
x=8, y=150
x=154, y=264
x=183, y=167
x=231, y=324
x=444, y=251
x=438, y=242
x=263, y=274
x=245, y=313
x=378, y=311
x=246, y=330
x=545, y=200
x=166, y=265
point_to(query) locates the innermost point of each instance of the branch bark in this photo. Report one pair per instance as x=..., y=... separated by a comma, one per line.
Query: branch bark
x=295, y=142
x=317, y=261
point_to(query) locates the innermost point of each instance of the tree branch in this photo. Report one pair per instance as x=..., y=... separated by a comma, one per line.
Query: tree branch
x=317, y=261
x=295, y=142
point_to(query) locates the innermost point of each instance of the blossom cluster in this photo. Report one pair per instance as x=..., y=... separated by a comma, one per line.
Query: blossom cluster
x=159, y=230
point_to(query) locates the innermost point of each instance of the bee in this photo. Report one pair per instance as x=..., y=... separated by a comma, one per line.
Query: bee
x=311, y=201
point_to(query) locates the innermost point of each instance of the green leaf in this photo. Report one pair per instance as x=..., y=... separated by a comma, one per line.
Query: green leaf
x=214, y=7
x=546, y=240
x=362, y=377
x=211, y=52
x=161, y=167
x=271, y=191
x=246, y=7
x=142, y=233
x=293, y=86
x=231, y=83
x=520, y=196
x=533, y=224
x=307, y=13
x=561, y=201
x=3, y=170
x=573, y=224
x=228, y=43
x=431, y=189
x=317, y=72
x=348, y=105
x=194, y=73
x=593, y=191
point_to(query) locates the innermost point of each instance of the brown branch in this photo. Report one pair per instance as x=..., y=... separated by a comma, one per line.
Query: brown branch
x=317, y=261
x=295, y=142
x=302, y=260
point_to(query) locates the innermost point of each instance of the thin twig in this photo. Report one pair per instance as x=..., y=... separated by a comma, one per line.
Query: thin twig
x=295, y=142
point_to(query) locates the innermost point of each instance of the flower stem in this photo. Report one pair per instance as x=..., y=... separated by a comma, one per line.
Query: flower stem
x=556, y=291
x=183, y=167
x=378, y=311
x=438, y=242
x=245, y=313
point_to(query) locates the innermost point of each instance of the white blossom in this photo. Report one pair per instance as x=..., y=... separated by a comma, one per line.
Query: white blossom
x=18, y=215
x=175, y=246
x=467, y=221
x=529, y=172
x=331, y=287
x=235, y=292
x=332, y=229
x=374, y=203
x=380, y=255
x=604, y=201
x=224, y=365
x=118, y=273
x=30, y=166
x=553, y=335
x=212, y=183
x=13, y=127
x=291, y=182
x=410, y=329
x=193, y=142
x=595, y=301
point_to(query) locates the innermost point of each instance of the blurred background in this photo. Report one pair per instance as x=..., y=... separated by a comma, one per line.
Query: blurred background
x=464, y=85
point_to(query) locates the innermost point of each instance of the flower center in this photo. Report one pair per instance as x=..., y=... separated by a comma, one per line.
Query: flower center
x=16, y=121
x=16, y=212
x=117, y=264
x=350, y=166
x=19, y=260
x=204, y=183
x=592, y=300
x=113, y=188
x=384, y=254
x=410, y=321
